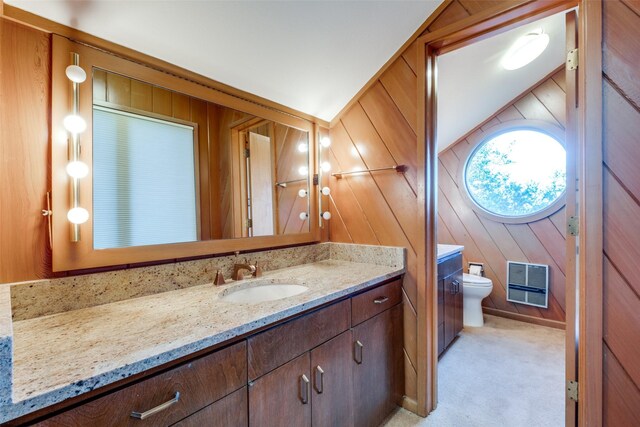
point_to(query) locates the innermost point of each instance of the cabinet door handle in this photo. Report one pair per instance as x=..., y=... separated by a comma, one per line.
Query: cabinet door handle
x=380, y=300
x=159, y=408
x=319, y=380
x=452, y=290
x=304, y=389
x=456, y=285
x=357, y=352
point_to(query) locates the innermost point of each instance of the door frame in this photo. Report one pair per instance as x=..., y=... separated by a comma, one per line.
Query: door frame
x=589, y=158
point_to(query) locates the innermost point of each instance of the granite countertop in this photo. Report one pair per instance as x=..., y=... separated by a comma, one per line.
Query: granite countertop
x=65, y=354
x=446, y=250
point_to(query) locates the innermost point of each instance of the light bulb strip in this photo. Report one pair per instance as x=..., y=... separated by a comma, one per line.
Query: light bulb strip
x=74, y=151
x=319, y=169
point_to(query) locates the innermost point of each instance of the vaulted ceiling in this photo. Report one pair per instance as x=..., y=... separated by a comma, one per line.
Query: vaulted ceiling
x=312, y=56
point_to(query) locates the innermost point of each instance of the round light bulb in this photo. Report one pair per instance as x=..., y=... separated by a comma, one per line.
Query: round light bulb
x=78, y=215
x=77, y=169
x=302, y=147
x=75, y=73
x=326, y=166
x=302, y=193
x=303, y=216
x=525, y=49
x=325, y=141
x=74, y=124
x=303, y=170
x=326, y=191
x=326, y=215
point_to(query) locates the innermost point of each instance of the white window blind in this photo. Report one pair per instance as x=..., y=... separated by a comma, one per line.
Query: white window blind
x=144, y=181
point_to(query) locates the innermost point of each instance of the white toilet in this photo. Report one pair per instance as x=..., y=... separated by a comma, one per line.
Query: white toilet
x=475, y=289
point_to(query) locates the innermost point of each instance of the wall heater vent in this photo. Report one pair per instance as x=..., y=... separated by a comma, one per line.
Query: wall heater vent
x=528, y=283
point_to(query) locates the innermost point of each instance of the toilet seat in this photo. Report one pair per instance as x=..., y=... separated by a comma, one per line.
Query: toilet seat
x=477, y=281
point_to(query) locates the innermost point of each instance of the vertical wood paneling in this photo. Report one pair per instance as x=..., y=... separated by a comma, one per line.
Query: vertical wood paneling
x=621, y=127
x=161, y=101
x=141, y=96
x=118, y=89
x=25, y=87
x=493, y=242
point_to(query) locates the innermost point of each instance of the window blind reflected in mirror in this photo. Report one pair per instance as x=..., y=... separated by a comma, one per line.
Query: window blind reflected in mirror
x=144, y=180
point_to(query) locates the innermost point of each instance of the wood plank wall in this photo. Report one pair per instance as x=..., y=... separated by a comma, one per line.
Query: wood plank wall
x=621, y=132
x=494, y=243
x=379, y=130
x=25, y=87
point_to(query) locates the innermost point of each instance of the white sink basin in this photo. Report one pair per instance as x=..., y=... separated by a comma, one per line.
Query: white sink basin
x=262, y=293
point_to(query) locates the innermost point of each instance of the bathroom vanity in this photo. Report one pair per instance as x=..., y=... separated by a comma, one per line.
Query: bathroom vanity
x=450, y=292
x=331, y=355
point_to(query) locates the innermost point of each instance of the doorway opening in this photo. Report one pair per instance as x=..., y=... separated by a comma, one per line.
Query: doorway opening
x=494, y=200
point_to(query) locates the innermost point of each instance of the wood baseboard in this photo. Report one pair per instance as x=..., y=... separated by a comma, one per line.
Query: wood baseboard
x=524, y=318
x=410, y=405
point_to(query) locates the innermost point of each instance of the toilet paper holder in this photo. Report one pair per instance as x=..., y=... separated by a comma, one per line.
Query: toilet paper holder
x=476, y=268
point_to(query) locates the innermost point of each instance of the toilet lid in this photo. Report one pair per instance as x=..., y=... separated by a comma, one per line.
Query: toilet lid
x=475, y=280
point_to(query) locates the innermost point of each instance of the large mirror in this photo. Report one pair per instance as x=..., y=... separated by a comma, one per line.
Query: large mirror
x=175, y=169
x=171, y=168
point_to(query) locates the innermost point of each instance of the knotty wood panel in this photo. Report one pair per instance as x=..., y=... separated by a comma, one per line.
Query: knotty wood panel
x=492, y=242
x=25, y=85
x=621, y=127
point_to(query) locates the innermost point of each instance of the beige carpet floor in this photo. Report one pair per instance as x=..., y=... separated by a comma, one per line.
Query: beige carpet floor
x=505, y=374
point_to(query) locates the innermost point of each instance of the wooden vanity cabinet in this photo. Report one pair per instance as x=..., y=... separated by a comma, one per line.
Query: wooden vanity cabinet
x=353, y=379
x=450, y=300
x=340, y=365
x=200, y=383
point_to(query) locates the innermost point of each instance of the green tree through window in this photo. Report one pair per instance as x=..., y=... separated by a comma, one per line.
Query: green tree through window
x=516, y=173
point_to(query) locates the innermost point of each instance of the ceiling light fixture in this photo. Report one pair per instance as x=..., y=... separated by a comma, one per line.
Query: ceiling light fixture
x=525, y=49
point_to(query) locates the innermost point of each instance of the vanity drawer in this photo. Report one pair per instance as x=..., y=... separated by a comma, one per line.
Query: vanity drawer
x=199, y=383
x=278, y=345
x=370, y=303
x=230, y=411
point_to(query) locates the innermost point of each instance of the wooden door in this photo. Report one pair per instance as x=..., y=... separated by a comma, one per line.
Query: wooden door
x=331, y=365
x=449, y=310
x=261, y=185
x=571, y=357
x=283, y=396
x=458, y=317
x=377, y=369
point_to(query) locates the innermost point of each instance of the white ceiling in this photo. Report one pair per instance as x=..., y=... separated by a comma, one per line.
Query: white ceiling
x=472, y=85
x=313, y=56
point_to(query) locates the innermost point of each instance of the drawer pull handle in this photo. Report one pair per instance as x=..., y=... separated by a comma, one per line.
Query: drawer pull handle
x=357, y=353
x=319, y=383
x=304, y=389
x=159, y=408
x=380, y=300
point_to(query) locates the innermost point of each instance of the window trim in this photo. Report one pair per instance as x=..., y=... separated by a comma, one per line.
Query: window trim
x=553, y=130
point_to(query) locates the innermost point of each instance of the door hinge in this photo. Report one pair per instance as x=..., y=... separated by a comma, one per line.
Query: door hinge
x=572, y=390
x=249, y=223
x=247, y=152
x=572, y=59
x=573, y=224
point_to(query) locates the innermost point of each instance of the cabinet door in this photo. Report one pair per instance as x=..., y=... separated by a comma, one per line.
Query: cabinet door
x=458, y=301
x=378, y=379
x=230, y=411
x=283, y=396
x=331, y=364
x=449, y=310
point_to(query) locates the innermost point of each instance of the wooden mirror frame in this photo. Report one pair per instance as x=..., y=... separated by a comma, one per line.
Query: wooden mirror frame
x=68, y=255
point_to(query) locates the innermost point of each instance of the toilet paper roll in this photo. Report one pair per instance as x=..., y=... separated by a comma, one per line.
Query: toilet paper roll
x=476, y=270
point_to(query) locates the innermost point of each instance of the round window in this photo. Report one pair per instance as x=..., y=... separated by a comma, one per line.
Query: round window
x=518, y=173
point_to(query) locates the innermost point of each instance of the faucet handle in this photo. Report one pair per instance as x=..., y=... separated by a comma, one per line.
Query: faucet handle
x=258, y=272
x=219, y=280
